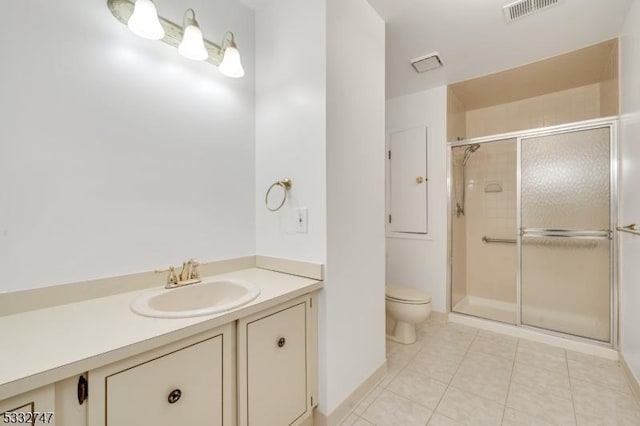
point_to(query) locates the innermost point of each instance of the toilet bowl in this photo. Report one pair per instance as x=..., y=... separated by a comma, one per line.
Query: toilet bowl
x=406, y=307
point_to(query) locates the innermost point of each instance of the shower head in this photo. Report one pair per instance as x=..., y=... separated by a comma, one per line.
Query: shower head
x=467, y=153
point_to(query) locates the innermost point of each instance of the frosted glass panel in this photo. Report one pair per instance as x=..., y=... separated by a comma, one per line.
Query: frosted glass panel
x=565, y=279
x=565, y=180
x=565, y=285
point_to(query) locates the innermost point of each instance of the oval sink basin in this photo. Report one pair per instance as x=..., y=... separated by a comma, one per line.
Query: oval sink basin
x=205, y=298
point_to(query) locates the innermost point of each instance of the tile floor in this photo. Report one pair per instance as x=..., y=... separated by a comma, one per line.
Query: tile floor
x=458, y=375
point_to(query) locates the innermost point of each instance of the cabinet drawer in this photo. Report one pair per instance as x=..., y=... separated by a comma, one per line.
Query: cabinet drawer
x=24, y=406
x=276, y=367
x=183, y=387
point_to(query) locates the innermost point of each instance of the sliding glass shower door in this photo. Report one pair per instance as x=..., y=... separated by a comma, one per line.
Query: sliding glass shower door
x=565, y=227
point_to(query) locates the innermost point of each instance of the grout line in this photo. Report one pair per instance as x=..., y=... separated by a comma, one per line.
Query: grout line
x=454, y=374
x=573, y=404
x=513, y=368
x=408, y=399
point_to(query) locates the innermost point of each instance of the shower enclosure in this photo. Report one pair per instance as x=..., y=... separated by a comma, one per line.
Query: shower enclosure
x=531, y=219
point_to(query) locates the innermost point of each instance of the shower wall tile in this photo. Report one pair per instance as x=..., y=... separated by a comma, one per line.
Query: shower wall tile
x=491, y=268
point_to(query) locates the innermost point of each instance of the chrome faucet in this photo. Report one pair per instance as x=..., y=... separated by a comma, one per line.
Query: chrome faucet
x=188, y=275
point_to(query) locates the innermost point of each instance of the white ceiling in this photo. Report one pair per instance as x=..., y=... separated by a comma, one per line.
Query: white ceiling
x=473, y=38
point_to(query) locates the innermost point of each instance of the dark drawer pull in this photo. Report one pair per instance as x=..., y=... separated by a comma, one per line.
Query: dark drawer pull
x=281, y=342
x=83, y=389
x=174, y=396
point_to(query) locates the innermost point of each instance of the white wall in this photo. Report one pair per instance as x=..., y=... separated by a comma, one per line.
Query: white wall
x=413, y=262
x=629, y=195
x=291, y=125
x=352, y=316
x=318, y=115
x=117, y=155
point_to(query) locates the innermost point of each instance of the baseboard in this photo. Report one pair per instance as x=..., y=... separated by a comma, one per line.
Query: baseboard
x=439, y=316
x=633, y=380
x=342, y=410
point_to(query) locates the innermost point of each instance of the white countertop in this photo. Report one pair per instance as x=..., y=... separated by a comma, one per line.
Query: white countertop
x=47, y=345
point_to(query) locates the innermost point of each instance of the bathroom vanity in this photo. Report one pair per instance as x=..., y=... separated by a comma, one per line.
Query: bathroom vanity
x=253, y=365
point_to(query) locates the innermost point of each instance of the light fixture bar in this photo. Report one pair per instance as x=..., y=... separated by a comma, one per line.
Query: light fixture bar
x=123, y=9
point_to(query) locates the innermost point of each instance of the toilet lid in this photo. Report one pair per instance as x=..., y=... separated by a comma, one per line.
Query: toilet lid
x=407, y=294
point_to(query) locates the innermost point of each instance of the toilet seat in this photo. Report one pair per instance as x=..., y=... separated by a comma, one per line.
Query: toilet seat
x=408, y=295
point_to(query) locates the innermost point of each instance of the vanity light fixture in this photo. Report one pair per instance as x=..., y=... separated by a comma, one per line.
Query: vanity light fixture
x=231, y=65
x=138, y=14
x=192, y=45
x=144, y=21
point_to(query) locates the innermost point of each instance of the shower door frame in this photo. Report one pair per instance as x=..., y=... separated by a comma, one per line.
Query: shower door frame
x=612, y=124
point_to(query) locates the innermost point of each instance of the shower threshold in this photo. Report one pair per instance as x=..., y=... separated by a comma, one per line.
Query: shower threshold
x=487, y=308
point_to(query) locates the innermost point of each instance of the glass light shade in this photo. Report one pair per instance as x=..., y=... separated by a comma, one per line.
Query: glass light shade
x=192, y=45
x=231, y=65
x=144, y=21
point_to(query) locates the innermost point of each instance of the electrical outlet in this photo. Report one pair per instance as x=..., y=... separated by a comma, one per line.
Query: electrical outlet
x=301, y=220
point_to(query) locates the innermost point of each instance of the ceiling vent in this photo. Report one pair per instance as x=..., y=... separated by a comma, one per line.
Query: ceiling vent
x=426, y=63
x=522, y=8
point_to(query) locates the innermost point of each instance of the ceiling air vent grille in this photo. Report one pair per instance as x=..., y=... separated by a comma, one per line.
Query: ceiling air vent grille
x=427, y=62
x=522, y=8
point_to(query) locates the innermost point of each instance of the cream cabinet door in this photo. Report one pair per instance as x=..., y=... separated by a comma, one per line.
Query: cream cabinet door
x=276, y=368
x=34, y=407
x=182, y=387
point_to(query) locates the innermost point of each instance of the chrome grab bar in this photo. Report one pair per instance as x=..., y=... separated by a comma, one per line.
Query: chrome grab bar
x=566, y=233
x=486, y=239
x=631, y=229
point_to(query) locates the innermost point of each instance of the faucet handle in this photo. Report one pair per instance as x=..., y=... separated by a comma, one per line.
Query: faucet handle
x=195, y=274
x=172, y=278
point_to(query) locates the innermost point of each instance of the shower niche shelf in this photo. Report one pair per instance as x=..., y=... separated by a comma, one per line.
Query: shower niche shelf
x=575, y=86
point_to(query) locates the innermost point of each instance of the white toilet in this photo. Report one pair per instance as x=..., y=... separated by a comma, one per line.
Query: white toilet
x=406, y=307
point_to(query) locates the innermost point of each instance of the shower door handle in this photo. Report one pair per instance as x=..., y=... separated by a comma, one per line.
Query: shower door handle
x=600, y=234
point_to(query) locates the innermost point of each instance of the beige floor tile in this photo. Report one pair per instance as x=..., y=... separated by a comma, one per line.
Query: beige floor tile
x=362, y=422
x=599, y=372
x=400, y=357
x=585, y=420
x=451, y=331
x=399, y=348
x=590, y=359
x=390, y=409
x=495, y=344
x=446, y=346
x=394, y=366
x=482, y=361
x=601, y=405
x=440, y=420
x=518, y=418
x=435, y=366
x=543, y=381
x=350, y=420
x=544, y=356
x=540, y=405
x=538, y=347
x=469, y=409
x=418, y=388
x=489, y=383
x=367, y=400
x=460, y=328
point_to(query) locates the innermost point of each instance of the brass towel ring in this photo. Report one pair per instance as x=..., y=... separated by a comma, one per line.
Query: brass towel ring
x=285, y=184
